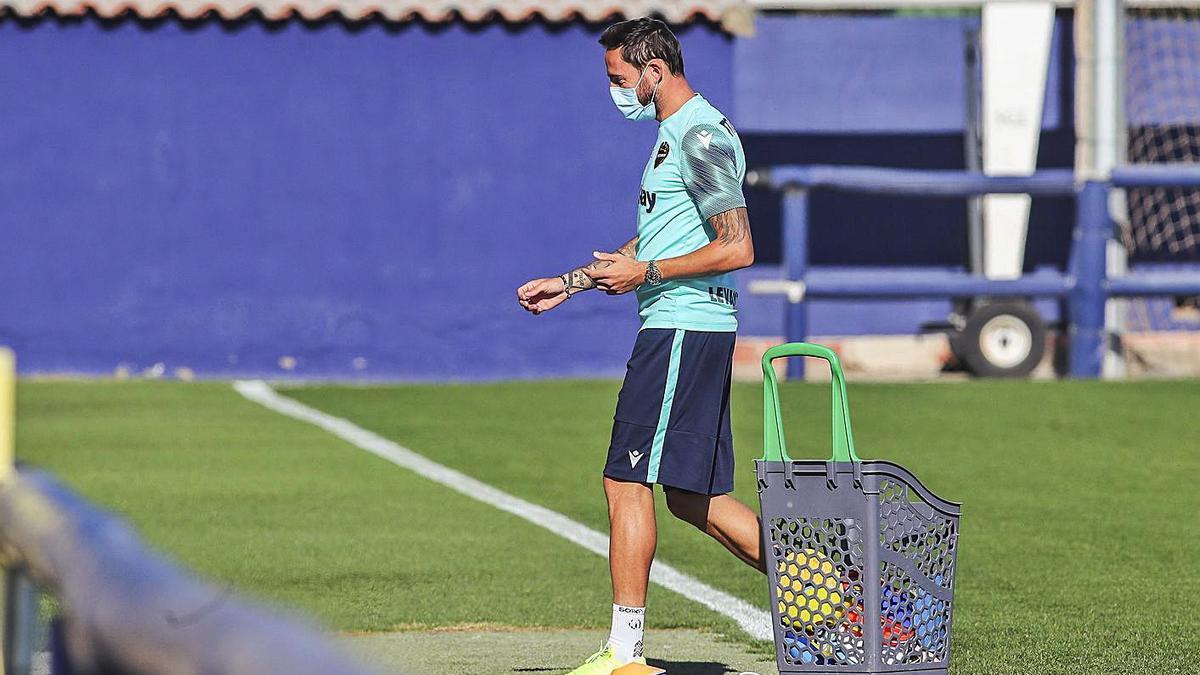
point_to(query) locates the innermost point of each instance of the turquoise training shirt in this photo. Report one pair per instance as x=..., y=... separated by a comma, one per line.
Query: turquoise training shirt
x=694, y=173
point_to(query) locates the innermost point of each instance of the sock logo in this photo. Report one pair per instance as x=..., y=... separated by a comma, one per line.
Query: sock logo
x=635, y=624
x=635, y=456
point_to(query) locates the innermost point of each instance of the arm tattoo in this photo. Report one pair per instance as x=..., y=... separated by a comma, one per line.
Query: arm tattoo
x=575, y=280
x=732, y=226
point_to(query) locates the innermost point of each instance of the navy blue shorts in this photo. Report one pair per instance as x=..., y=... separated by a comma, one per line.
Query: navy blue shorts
x=672, y=420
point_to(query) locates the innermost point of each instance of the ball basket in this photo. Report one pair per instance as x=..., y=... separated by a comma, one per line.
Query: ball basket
x=860, y=555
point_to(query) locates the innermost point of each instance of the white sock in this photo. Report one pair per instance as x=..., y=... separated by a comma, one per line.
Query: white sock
x=628, y=627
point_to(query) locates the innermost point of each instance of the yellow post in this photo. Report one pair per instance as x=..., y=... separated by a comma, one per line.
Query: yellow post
x=8, y=383
x=8, y=412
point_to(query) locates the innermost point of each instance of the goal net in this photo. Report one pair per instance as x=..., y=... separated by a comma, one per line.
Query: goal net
x=1162, y=113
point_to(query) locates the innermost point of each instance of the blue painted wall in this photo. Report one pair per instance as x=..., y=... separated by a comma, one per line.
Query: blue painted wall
x=219, y=196
x=365, y=199
x=816, y=74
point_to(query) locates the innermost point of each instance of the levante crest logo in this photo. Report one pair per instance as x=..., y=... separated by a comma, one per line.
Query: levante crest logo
x=663, y=151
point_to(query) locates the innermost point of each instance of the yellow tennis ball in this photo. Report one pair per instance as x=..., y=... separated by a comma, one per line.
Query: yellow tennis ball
x=812, y=585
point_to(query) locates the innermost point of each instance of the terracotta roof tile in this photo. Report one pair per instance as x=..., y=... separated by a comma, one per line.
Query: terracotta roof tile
x=394, y=10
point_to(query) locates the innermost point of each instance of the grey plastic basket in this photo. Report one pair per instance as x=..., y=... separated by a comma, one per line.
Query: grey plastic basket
x=861, y=555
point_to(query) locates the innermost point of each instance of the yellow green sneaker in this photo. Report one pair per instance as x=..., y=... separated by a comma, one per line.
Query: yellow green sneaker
x=603, y=662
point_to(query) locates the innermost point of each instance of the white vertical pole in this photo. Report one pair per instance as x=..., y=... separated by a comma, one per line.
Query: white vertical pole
x=1016, y=53
x=1108, y=114
x=1107, y=86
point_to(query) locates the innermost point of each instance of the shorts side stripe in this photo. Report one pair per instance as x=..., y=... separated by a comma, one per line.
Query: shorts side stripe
x=664, y=415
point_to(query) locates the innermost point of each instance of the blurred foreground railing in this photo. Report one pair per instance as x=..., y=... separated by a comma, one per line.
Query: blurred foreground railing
x=122, y=608
x=126, y=609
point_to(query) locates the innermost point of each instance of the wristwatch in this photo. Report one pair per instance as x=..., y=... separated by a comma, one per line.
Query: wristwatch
x=653, y=276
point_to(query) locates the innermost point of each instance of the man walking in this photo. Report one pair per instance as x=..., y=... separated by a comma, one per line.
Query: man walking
x=671, y=425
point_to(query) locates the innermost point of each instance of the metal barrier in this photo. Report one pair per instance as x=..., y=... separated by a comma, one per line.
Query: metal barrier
x=1084, y=287
x=124, y=609
x=127, y=610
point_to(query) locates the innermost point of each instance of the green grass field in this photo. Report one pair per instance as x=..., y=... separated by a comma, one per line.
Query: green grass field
x=1078, y=551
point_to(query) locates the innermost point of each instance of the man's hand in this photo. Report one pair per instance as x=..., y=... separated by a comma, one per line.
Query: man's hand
x=623, y=273
x=542, y=295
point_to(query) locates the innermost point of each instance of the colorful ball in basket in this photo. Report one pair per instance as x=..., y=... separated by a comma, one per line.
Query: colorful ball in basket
x=810, y=590
x=896, y=610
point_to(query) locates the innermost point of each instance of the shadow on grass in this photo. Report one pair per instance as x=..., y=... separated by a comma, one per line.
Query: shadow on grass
x=672, y=668
x=693, y=667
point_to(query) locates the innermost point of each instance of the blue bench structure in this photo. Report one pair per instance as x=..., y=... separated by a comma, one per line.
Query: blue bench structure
x=1084, y=286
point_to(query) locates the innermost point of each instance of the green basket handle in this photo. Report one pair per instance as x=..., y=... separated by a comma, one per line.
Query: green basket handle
x=774, y=449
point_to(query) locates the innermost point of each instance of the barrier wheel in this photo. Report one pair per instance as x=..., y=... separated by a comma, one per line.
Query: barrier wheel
x=1002, y=339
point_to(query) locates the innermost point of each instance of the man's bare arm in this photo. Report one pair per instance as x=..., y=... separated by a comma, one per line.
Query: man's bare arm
x=542, y=295
x=578, y=280
x=732, y=249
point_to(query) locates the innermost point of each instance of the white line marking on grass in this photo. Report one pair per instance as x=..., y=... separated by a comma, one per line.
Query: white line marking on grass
x=751, y=619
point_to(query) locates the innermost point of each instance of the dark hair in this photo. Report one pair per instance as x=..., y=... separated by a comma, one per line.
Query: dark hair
x=641, y=40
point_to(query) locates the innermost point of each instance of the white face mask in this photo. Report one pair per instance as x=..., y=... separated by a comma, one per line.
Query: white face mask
x=627, y=101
